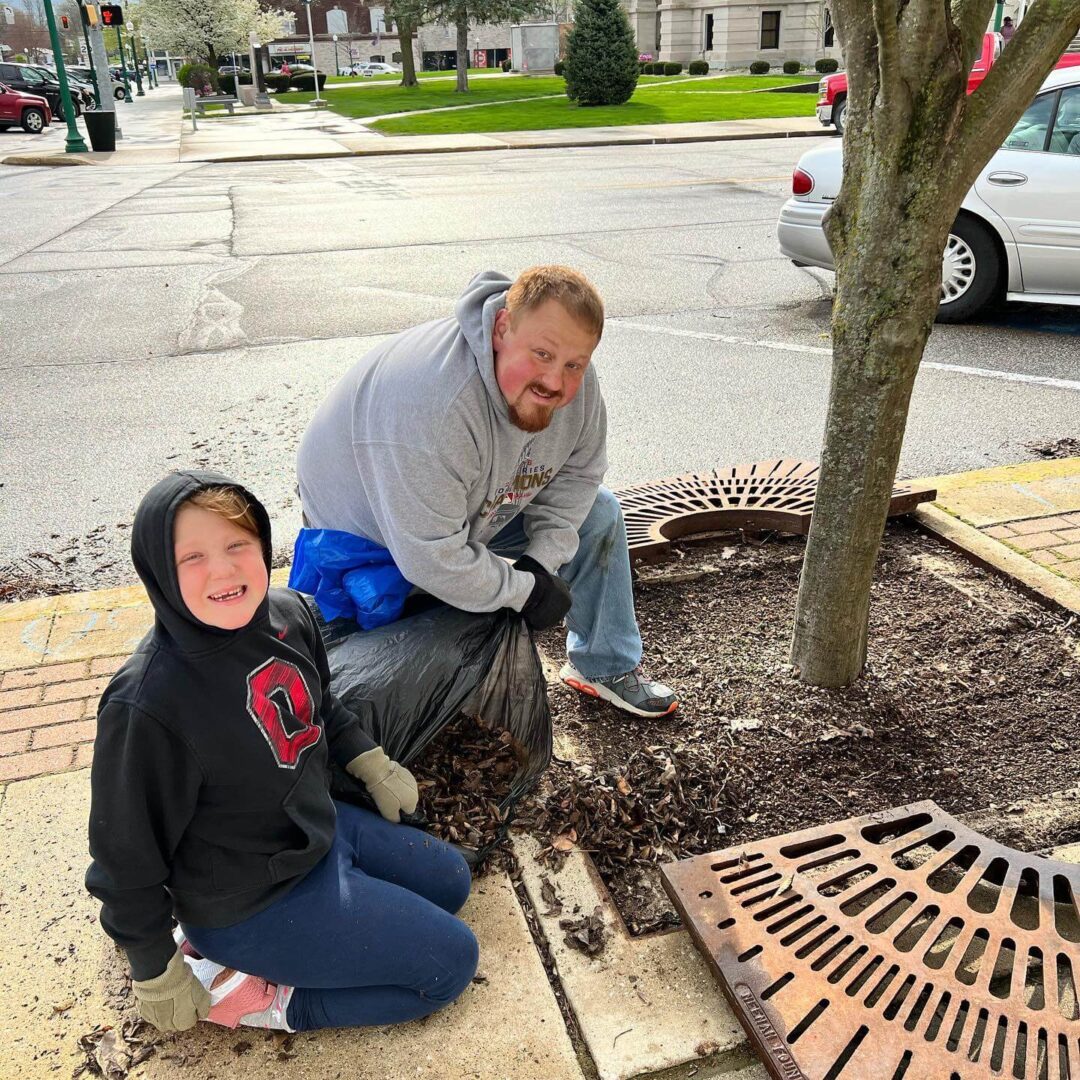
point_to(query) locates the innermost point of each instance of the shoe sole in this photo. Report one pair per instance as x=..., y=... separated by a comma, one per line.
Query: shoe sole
x=612, y=698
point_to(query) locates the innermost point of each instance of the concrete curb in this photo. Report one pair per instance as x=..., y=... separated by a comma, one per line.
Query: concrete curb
x=495, y=143
x=1038, y=583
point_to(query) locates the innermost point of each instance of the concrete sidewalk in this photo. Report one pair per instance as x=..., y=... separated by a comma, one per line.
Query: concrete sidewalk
x=295, y=132
x=646, y=1006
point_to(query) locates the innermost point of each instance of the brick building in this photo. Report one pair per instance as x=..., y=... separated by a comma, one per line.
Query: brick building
x=365, y=33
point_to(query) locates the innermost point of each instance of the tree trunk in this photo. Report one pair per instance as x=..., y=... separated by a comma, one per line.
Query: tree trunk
x=914, y=143
x=406, y=29
x=211, y=56
x=462, y=24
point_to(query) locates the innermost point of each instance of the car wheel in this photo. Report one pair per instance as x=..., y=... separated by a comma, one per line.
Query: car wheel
x=33, y=121
x=118, y=93
x=839, y=115
x=970, y=271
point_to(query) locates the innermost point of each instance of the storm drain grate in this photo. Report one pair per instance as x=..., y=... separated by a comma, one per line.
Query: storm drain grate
x=764, y=495
x=897, y=945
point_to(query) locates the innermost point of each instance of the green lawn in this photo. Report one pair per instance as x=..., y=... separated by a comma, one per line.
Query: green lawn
x=659, y=99
x=645, y=107
x=376, y=100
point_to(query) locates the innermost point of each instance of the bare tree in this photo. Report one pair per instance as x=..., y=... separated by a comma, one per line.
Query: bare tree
x=913, y=145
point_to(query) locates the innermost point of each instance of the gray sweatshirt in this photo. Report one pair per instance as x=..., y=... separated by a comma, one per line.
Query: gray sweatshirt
x=414, y=449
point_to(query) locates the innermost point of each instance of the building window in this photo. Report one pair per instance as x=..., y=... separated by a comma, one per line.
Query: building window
x=708, y=32
x=288, y=25
x=829, y=36
x=377, y=58
x=770, y=29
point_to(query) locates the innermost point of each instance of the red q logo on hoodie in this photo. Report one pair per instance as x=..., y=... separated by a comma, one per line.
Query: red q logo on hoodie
x=271, y=685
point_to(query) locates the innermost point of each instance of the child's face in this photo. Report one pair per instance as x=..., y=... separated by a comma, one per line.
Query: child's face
x=220, y=568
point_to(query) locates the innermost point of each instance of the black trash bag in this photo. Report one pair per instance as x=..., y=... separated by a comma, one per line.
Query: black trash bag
x=424, y=671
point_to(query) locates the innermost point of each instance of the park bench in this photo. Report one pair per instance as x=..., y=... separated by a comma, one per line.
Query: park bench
x=217, y=99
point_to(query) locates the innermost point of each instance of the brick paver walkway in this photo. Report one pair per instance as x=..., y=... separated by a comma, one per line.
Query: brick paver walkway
x=48, y=716
x=1053, y=542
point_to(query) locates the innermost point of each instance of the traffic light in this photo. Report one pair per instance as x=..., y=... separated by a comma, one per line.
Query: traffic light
x=112, y=15
x=65, y=22
x=91, y=15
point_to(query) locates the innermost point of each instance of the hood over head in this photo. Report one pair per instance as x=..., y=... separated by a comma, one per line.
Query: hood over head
x=152, y=554
x=476, y=309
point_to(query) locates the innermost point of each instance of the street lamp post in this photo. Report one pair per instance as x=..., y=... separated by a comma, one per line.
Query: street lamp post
x=74, y=143
x=150, y=73
x=135, y=60
x=311, y=41
x=337, y=62
x=123, y=65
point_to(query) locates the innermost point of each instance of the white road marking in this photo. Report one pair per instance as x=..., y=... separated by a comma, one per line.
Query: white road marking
x=818, y=350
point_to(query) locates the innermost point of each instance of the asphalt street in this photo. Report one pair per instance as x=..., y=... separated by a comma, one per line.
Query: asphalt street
x=184, y=315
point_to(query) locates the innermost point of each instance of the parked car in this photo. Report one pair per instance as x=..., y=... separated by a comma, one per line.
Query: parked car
x=31, y=79
x=833, y=89
x=1018, y=231
x=28, y=111
x=87, y=76
x=370, y=69
x=79, y=85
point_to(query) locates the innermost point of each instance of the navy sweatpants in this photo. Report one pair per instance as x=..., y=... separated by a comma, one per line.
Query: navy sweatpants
x=368, y=937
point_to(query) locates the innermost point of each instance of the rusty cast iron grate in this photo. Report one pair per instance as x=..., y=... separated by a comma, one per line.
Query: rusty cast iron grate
x=897, y=945
x=765, y=495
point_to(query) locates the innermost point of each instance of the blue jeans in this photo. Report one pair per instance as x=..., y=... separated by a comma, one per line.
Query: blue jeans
x=368, y=936
x=603, y=639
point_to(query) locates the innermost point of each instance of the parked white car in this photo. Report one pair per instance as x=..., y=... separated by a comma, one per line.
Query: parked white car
x=367, y=70
x=1018, y=230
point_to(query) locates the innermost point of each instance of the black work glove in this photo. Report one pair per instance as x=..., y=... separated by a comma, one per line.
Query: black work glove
x=549, y=600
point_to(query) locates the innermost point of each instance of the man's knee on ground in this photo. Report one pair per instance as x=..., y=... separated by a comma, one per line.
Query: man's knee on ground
x=605, y=515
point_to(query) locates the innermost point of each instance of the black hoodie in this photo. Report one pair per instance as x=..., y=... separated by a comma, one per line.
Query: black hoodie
x=209, y=796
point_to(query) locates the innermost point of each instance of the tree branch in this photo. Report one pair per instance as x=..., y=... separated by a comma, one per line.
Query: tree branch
x=1025, y=62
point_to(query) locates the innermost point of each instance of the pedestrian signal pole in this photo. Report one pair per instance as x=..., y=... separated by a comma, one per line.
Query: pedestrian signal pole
x=74, y=143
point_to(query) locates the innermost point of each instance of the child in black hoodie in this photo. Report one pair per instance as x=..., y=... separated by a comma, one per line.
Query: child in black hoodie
x=210, y=803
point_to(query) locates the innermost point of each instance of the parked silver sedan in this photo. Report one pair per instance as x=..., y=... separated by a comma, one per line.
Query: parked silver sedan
x=1017, y=235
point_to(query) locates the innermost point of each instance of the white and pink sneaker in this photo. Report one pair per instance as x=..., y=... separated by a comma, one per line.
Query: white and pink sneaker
x=239, y=999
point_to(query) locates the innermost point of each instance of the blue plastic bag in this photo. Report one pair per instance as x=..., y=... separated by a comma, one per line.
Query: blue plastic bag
x=349, y=576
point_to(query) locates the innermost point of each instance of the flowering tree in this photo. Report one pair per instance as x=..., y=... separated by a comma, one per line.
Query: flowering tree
x=207, y=28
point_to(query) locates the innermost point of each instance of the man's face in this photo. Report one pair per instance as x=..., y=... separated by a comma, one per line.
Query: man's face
x=220, y=568
x=540, y=362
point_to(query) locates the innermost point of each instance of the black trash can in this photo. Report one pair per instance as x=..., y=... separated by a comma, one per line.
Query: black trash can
x=101, y=127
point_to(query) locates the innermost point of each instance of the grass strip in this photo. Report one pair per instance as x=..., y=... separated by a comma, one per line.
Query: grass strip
x=643, y=108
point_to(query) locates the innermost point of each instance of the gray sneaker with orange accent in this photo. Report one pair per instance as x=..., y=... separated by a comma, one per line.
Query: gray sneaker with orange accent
x=632, y=692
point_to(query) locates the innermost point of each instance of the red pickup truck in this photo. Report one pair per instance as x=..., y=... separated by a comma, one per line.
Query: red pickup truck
x=832, y=91
x=28, y=111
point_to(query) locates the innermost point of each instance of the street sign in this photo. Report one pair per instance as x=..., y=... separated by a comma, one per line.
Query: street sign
x=112, y=15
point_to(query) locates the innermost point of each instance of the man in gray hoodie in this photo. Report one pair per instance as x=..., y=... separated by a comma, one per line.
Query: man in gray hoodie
x=480, y=438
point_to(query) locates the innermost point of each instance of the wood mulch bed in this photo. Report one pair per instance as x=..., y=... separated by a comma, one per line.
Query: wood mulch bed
x=970, y=698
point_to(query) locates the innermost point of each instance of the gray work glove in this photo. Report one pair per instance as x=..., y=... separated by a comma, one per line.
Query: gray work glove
x=391, y=785
x=175, y=999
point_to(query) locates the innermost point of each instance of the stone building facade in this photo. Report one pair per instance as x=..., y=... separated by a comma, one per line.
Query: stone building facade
x=732, y=35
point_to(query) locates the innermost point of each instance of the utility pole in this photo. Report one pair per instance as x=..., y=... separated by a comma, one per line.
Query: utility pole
x=91, y=15
x=314, y=65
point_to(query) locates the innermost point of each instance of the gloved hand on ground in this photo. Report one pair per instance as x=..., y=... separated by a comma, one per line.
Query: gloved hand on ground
x=549, y=600
x=391, y=785
x=173, y=1000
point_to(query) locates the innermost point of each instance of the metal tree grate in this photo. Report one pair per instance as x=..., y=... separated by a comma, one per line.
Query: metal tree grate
x=897, y=945
x=776, y=494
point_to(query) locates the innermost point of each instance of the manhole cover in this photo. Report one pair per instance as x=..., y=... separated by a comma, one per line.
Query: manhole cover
x=901, y=944
x=777, y=494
